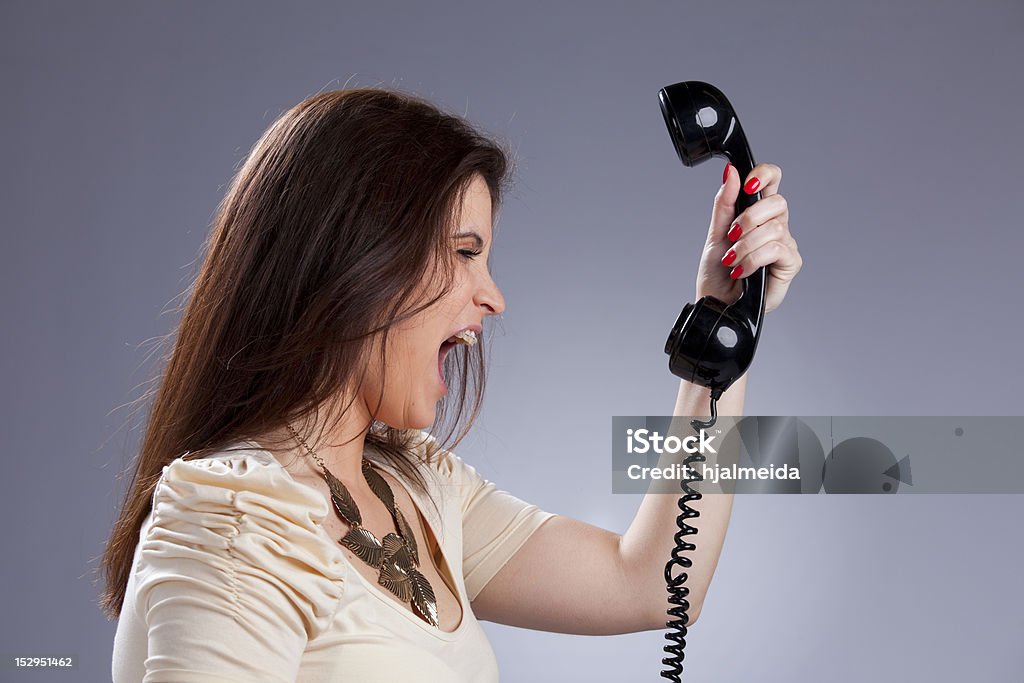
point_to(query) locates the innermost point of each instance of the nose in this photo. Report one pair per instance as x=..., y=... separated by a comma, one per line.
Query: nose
x=489, y=296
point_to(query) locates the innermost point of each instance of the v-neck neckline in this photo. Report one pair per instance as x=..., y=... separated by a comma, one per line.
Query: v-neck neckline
x=376, y=591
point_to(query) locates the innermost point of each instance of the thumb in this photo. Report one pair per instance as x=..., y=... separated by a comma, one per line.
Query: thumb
x=724, y=210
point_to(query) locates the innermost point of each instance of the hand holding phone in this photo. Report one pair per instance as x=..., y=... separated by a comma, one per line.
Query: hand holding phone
x=737, y=244
x=713, y=341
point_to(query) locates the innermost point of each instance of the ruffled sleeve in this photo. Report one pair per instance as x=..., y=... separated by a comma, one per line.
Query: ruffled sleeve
x=495, y=524
x=234, y=576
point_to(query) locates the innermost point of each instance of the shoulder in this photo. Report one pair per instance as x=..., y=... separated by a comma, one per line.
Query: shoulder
x=242, y=491
x=240, y=475
x=453, y=475
x=238, y=490
x=438, y=460
x=237, y=516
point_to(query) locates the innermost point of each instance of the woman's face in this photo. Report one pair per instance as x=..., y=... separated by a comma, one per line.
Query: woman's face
x=412, y=382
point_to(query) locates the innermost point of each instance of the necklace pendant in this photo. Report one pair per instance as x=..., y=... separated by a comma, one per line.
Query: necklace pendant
x=396, y=557
x=423, y=601
x=365, y=545
x=407, y=535
x=342, y=500
x=409, y=585
x=400, y=575
x=396, y=580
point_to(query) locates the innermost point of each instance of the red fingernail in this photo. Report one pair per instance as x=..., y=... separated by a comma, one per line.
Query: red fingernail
x=752, y=185
x=729, y=257
x=725, y=173
x=735, y=233
x=736, y=272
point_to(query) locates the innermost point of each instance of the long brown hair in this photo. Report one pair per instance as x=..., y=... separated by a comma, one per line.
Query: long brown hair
x=324, y=238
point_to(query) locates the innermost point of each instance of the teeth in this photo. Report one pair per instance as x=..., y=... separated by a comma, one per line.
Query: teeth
x=467, y=337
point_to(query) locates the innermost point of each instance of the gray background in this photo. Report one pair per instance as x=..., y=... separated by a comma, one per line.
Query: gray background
x=897, y=127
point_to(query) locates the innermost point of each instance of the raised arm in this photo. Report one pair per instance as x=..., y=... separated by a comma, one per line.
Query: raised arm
x=573, y=577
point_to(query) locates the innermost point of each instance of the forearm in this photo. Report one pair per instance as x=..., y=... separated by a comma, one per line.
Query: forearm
x=647, y=545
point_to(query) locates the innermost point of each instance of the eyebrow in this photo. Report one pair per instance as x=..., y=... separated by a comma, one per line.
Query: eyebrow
x=477, y=240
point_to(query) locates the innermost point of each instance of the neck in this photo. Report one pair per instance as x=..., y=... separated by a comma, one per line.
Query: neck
x=340, y=446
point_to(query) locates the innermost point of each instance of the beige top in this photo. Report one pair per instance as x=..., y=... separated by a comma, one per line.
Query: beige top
x=235, y=579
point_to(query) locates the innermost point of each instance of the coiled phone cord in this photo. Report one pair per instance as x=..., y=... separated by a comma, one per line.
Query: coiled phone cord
x=677, y=590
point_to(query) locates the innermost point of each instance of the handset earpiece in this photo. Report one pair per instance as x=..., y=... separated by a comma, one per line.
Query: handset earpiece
x=712, y=343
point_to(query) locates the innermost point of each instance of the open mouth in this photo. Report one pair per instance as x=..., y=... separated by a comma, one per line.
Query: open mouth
x=465, y=337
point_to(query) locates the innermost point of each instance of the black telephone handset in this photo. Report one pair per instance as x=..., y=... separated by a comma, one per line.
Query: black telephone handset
x=712, y=342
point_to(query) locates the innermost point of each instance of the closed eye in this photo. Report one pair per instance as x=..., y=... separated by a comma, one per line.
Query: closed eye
x=469, y=253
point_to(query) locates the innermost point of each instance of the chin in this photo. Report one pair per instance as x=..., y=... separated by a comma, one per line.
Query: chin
x=422, y=424
x=419, y=417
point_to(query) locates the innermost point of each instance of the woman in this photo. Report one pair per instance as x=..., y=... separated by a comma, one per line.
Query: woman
x=288, y=519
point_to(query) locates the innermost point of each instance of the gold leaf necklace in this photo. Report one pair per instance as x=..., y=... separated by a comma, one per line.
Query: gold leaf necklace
x=396, y=557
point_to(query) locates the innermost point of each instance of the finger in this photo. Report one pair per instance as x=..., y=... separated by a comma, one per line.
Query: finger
x=764, y=178
x=762, y=211
x=724, y=209
x=784, y=259
x=773, y=230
